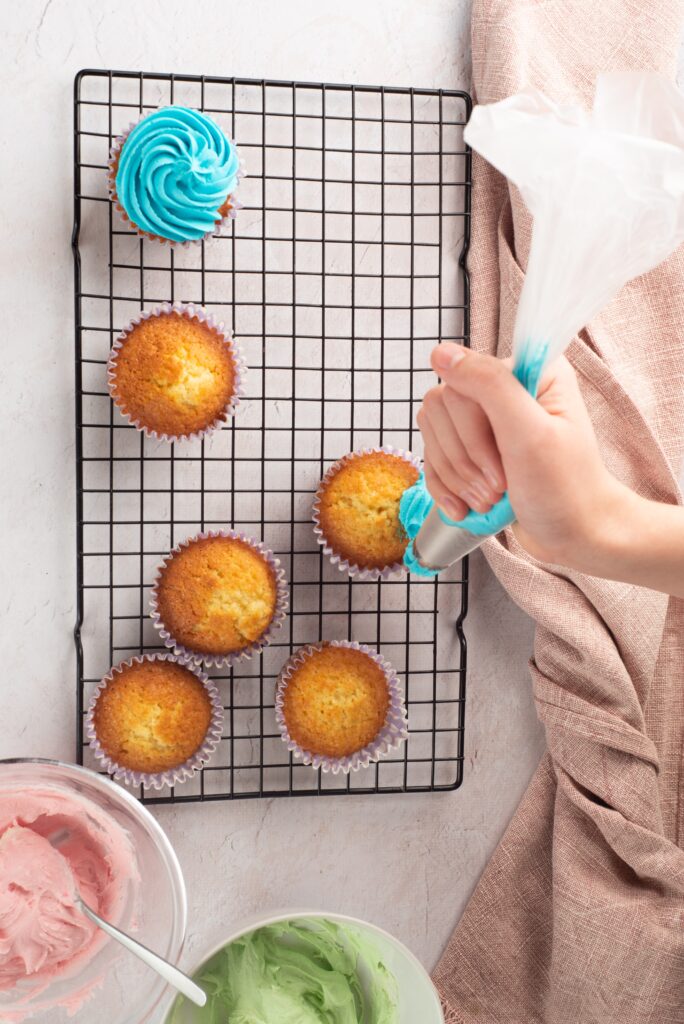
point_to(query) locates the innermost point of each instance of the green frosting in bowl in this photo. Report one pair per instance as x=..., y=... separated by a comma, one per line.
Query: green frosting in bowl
x=306, y=971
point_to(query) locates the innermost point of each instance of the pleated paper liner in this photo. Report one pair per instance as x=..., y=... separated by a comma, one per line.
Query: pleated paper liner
x=393, y=733
x=191, y=311
x=232, y=657
x=171, y=776
x=227, y=212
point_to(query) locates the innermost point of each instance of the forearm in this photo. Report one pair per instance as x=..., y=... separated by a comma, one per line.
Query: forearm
x=638, y=541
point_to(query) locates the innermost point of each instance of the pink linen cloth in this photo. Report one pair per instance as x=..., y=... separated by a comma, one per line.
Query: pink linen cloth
x=579, y=916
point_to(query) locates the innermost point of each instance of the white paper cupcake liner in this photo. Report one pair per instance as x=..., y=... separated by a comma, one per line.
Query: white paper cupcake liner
x=191, y=311
x=112, y=164
x=222, y=660
x=172, y=776
x=393, y=733
x=344, y=564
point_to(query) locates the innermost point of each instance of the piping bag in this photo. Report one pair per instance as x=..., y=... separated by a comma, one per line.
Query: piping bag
x=606, y=193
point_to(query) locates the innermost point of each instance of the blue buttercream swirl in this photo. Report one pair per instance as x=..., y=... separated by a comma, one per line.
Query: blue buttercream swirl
x=176, y=169
x=416, y=503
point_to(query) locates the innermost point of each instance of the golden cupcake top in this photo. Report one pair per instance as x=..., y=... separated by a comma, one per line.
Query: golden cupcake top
x=359, y=508
x=336, y=701
x=217, y=595
x=174, y=374
x=152, y=715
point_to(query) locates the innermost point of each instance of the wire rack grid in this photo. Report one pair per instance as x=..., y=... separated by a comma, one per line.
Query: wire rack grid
x=344, y=268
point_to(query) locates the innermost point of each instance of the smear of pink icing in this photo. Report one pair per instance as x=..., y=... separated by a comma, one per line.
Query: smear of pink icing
x=43, y=935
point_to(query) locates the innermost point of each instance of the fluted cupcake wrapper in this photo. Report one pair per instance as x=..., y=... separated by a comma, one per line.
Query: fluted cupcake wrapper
x=112, y=164
x=344, y=564
x=172, y=776
x=191, y=311
x=223, y=660
x=393, y=733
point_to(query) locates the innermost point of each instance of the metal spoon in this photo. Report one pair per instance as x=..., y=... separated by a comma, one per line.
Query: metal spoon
x=166, y=970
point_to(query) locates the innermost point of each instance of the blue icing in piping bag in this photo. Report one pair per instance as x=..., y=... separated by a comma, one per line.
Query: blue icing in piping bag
x=606, y=192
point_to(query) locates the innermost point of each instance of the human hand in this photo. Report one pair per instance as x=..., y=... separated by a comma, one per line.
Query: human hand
x=484, y=434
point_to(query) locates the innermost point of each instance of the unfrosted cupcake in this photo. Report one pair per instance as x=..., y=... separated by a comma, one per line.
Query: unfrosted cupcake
x=219, y=597
x=173, y=175
x=356, y=511
x=174, y=372
x=339, y=706
x=154, y=720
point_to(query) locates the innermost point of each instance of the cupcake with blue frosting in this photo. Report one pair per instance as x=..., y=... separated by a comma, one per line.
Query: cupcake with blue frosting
x=173, y=175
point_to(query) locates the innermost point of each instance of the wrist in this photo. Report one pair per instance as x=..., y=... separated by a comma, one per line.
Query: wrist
x=618, y=535
x=615, y=525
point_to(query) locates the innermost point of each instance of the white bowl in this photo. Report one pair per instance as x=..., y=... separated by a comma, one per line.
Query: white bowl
x=418, y=1002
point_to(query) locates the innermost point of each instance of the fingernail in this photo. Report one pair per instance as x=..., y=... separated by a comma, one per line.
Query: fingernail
x=492, y=479
x=451, y=508
x=447, y=356
x=471, y=498
x=482, y=492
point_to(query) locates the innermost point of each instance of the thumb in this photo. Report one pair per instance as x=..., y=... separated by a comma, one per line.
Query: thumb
x=483, y=379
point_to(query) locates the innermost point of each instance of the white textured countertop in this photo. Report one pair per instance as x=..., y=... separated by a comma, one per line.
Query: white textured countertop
x=407, y=863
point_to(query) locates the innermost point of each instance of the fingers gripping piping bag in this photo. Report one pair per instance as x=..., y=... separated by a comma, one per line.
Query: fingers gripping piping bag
x=606, y=191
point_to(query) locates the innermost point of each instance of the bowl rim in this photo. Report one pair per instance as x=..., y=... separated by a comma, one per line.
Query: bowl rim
x=158, y=833
x=254, y=921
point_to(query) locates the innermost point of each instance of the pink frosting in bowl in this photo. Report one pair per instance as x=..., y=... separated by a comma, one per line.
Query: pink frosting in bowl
x=65, y=829
x=40, y=928
x=42, y=932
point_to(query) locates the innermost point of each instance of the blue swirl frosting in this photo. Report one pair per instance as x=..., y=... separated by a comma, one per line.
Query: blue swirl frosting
x=176, y=169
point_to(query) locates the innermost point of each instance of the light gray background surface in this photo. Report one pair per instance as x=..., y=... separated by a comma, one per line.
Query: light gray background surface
x=407, y=863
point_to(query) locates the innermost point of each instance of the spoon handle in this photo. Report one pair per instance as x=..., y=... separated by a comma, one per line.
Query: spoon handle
x=170, y=973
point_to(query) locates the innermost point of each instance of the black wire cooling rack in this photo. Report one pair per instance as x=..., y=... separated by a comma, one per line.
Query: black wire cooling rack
x=344, y=268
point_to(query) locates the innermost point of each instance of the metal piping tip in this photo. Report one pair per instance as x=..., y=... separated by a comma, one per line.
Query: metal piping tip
x=438, y=545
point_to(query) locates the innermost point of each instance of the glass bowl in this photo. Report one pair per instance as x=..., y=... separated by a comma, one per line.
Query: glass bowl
x=129, y=991
x=417, y=997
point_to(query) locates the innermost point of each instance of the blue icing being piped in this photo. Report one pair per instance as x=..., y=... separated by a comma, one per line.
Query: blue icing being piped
x=414, y=566
x=414, y=506
x=416, y=502
x=176, y=169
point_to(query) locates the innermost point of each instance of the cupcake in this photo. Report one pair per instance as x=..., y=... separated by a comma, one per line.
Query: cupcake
x=172, y=175
x=154, y=721
x=356, y=511
x=219, y=597
x=174, y=373
x=339, y=707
